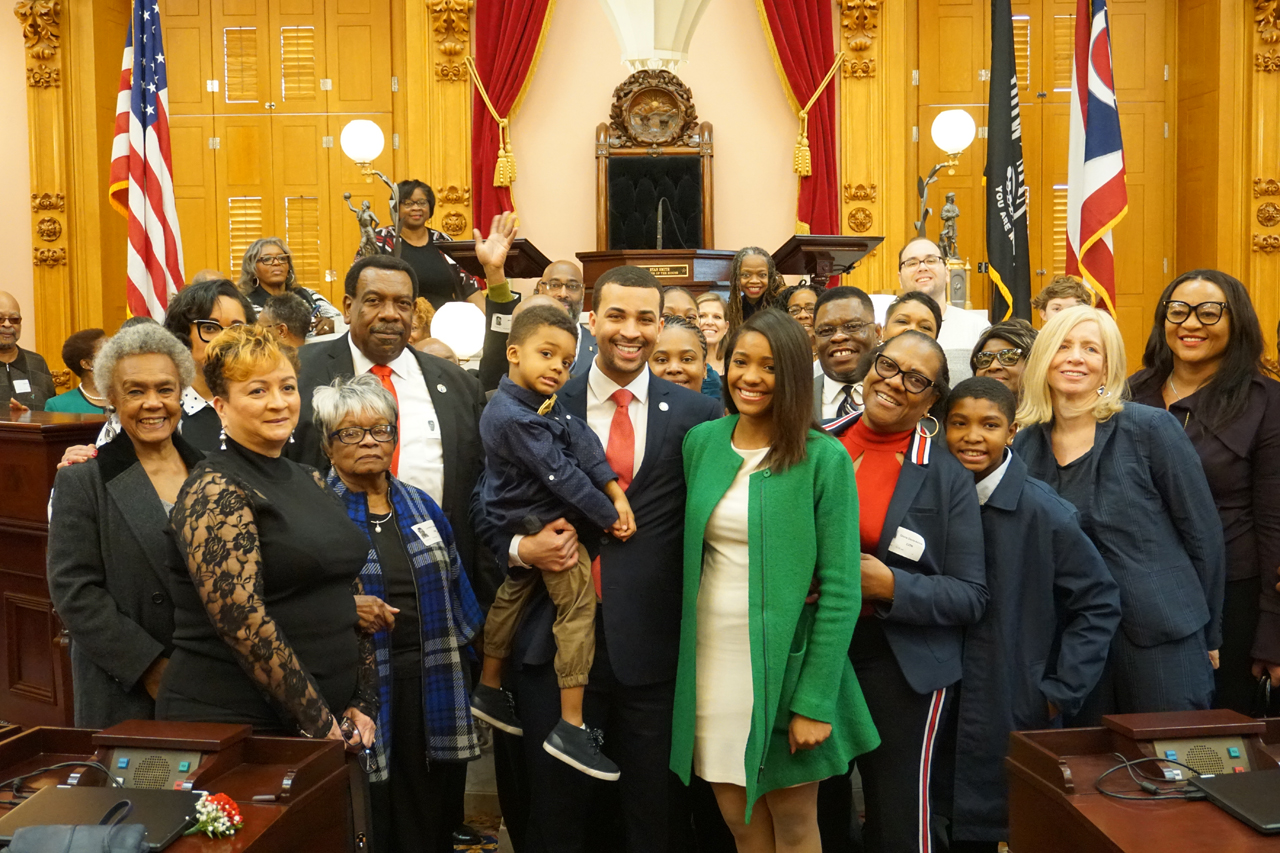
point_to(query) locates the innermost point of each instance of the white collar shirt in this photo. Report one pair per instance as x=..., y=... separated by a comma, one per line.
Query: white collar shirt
x=600, y=408
x=832, y=396
x=421, y=441
x=988, y=484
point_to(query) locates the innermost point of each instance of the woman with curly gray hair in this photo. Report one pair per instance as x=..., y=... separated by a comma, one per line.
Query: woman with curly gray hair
x=109, y=560
x=266, y=270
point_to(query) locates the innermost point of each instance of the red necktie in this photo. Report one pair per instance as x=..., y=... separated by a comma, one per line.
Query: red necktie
x=383, y=372
x=620, y=454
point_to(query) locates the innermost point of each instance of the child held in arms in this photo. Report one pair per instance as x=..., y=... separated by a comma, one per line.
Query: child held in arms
x=541, y=463
x=1040, y=647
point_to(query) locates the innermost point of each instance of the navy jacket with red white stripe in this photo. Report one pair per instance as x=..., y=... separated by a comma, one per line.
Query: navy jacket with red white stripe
x=943, y=588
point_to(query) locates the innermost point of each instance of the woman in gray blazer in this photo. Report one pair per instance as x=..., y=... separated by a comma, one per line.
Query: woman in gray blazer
x=110, y=556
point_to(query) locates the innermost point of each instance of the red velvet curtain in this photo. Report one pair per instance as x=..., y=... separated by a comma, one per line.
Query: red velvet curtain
x=507, y=39
x=803, y=39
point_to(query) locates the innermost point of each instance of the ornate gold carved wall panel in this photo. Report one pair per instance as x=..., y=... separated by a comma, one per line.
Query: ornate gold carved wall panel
x=1263, y=111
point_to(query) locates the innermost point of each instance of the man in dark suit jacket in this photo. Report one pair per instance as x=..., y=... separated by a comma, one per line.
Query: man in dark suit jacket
x=631, y=689
x=847, y=320
x=439, y=435
x=24, y=375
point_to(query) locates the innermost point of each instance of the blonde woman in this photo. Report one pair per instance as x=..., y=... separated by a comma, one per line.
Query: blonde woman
x=1143, y=499
x=711, y=319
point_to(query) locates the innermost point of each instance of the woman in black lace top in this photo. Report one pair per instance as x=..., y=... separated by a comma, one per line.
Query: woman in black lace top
x=264, y=621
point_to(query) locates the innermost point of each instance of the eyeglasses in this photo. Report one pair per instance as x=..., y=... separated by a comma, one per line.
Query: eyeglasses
x=274, y=260
x=912, y=263
x=915, y=383
x=1208, y=313
x=210, y=329
x=366, y=757
x=798, y=310
x=12, y=321
x=355, y=435
x=419, y=203
x=1007, y=357
x=573, y=287
x=851, y=330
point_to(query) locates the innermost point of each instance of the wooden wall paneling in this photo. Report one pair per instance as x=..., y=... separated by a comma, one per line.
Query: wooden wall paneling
x=966, y=183
x=195, y=193
x=954, y=47
x=1140, y=237
x=443, y=129
x=1263, y=201
x=245, y=185
x=189, y=45
x=299, y=56
x=300, y=193
x=345, y=177
x=1197, y=111
x=242, y=56
x=359, y=55
x=400, y=73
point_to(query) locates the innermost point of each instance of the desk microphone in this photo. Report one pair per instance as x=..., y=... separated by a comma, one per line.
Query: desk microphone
x=660, y=200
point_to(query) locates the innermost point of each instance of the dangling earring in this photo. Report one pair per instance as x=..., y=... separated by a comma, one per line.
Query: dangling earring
x=936, y=426
x=222, y=437
x=857, y=394
x=1102, y=390
x=291, y=438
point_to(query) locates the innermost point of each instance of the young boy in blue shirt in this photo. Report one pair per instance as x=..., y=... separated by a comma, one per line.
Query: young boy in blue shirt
x=541, y=463
x=1041, y=644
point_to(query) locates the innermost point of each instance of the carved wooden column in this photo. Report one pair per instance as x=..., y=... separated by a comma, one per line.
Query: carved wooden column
x=1264, y=199
x=873, y=147
x=437, y=143
x=46, y=107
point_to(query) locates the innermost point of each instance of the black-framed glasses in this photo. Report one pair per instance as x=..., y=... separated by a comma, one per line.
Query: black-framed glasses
x=413, y=202
x=851, y=330
x=912, y=263
x=355, y=435
x=1208, y=313
x=1007, y=357
x=210, y=329
x=915, y=383
x=574, y=287
x=274, y=260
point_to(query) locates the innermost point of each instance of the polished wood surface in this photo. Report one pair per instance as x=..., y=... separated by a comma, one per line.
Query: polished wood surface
x=1055, y=808
x=35, y=682
x=292, y=792
x=695, y=269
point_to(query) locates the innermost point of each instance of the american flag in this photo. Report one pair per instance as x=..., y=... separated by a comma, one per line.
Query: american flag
x=1096, y=194
x=142, y=168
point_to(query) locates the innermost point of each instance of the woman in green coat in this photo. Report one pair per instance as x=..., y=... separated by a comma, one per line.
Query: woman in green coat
x=767, y=702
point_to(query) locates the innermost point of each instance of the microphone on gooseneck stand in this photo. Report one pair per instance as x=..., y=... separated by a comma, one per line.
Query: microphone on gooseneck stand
x=660, y=200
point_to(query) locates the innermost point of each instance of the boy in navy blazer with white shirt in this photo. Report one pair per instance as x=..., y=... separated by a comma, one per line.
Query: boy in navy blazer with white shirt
x=1053, y=608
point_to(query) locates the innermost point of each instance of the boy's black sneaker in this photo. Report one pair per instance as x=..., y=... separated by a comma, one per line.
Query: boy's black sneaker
x=497, y=708
x=580, y=749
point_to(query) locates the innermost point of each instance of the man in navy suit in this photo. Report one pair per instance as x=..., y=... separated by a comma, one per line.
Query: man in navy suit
x=641, y=421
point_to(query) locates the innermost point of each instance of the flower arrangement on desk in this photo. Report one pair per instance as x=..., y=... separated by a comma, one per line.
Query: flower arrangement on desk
x=219, y=816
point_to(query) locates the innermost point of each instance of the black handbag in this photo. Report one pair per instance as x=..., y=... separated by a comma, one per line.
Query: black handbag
x=108, y=836
x=1266, y=702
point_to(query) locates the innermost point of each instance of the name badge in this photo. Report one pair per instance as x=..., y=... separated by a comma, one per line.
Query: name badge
x=432, y=430
x=907, y=543
x=501, y=323
x=427, y=533
x=22, y=386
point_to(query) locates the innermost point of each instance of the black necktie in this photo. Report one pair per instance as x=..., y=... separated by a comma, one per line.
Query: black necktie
x=846, y=402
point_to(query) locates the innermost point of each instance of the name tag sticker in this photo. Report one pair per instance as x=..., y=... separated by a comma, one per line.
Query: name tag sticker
x=501, y=323
x=432, y=428
x=427, y=533
x=22, y=386
x=907, y=543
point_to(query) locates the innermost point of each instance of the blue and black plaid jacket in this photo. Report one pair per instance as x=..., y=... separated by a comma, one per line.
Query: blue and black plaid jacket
x=450, y=618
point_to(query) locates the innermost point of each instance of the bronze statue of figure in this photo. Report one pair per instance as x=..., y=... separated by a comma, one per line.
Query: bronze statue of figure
x=947, y=240
x=368, y=221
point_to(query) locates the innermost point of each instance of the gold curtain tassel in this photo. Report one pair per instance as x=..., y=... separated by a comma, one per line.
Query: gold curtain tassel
x=802, y=160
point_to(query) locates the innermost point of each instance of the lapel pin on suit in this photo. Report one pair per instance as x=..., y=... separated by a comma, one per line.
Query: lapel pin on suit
x=663, y=406
x=440, y=387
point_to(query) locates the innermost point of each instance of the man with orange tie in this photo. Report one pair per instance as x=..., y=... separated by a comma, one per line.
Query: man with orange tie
x=641, y=421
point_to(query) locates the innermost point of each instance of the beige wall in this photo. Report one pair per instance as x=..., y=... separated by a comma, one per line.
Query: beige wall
x=734, y=87
x=15, y=190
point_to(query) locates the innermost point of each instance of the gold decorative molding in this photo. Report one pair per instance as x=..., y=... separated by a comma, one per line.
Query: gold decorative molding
x=57, y=201
x=42, y=76
x=1267, y=243
x=452, y=195
x=54, y=257
x=861, y=192
x=859, y=69
x=451, y=22
x=1269, y=214
x=61, y=379
x=48, y=229
x=451, y=72
x=1263, y=187
x=1266, y=62
x=1268, y=20
x=41, y=26
x=860, y=220
x=454, y=223
x=860, y=23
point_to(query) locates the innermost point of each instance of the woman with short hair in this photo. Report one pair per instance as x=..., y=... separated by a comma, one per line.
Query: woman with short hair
x=109, y=560
x=419, y=608
x=1001, y=353
x=801, y=302
x=1135, y=478
x=265, y=626
x=914, y=310
x=266, y=270
x=1203, y=364
x=766, y=701
x=77, y=354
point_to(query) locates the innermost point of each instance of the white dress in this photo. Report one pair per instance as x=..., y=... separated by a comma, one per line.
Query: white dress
x=725, y=693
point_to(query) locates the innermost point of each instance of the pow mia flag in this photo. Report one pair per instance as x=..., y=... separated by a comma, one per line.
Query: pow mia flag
x=1005, y=178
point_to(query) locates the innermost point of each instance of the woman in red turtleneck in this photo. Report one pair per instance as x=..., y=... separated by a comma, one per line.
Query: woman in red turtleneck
x=923, y=579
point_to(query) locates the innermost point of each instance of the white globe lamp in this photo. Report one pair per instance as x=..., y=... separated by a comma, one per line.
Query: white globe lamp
x=362, y=141
x=953, y=131
x=461, y=326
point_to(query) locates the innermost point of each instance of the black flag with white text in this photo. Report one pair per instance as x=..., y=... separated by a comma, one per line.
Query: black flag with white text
x=1007, y=246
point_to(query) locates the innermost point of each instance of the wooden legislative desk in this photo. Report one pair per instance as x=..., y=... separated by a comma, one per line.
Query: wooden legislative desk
x=293, y=793
x=35, y=671
x=1055, y=808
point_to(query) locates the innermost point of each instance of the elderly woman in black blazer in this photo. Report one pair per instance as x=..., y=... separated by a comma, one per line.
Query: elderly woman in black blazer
x=1141, y=492
x=109, y=555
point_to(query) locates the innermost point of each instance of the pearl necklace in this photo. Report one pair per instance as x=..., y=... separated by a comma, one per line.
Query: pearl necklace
x=100, y=402
x=378, y=522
